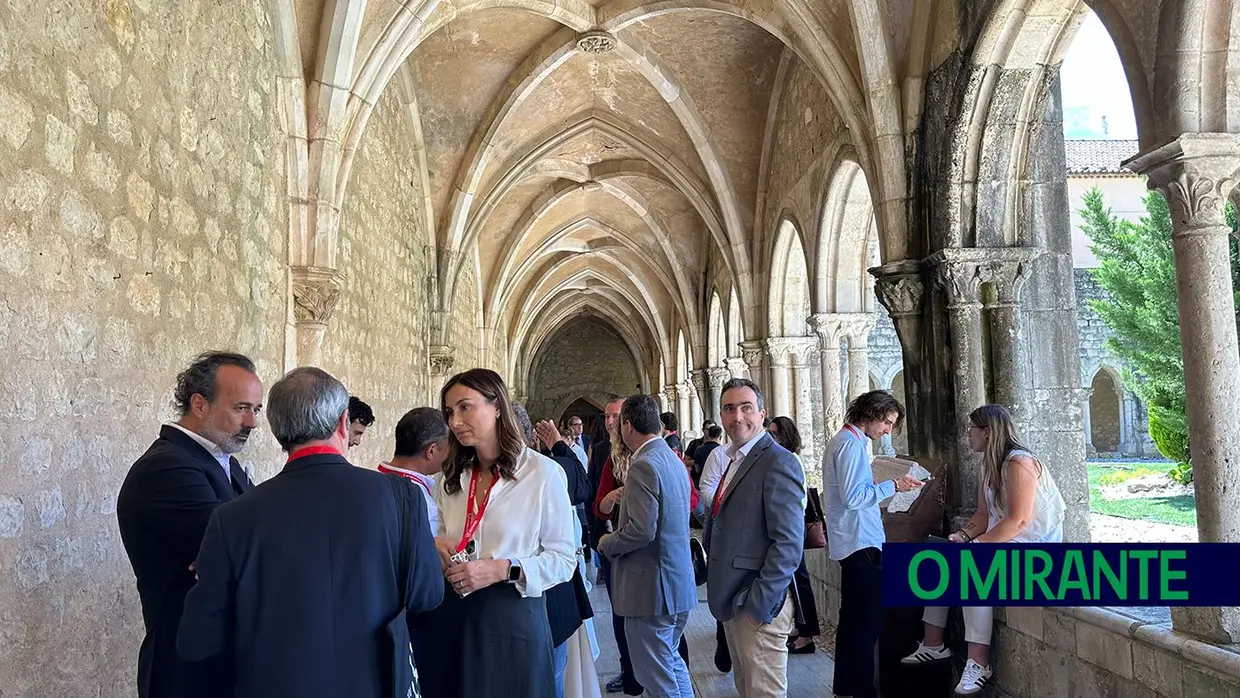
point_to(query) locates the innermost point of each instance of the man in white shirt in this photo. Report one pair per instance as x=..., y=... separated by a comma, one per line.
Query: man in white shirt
x=421, y=449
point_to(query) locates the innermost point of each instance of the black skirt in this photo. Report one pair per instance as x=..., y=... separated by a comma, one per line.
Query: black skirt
x=492, y=643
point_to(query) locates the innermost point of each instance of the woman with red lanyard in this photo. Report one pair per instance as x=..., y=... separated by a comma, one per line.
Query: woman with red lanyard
x=505, y=536
x=855, y=535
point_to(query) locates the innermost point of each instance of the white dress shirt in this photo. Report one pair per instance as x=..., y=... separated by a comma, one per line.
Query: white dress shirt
x=736, y=455
x=224, y=459
x=426, y=485
x=528, y=519
x=712, y=473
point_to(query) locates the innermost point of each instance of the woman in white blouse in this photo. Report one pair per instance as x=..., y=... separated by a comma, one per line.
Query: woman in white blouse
x=505, y=536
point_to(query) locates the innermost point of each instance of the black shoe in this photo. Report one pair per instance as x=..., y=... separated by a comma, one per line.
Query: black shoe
x=723, y=660
x=804, y=649
x=615, y=685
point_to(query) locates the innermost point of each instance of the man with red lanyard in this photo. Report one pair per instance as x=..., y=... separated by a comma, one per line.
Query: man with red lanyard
x=421, y=449
x=855, y=534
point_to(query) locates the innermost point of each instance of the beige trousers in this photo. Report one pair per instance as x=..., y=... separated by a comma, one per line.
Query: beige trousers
x=760, y=653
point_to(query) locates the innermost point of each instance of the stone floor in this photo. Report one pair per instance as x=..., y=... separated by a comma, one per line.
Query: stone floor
x=809, y=675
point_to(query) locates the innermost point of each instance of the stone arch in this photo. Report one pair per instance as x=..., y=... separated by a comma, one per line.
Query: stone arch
x=789, y=304
x=846, y=226
x=1106, y=411
x=683, y=361
x=582, y=406
x=736, y=327
x=716, y=332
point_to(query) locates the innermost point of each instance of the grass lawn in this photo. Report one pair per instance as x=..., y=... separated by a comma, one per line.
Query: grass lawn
x=1172, y=510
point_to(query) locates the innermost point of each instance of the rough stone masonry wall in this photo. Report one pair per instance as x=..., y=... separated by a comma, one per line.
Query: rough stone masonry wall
x=585, y=358
x=376, y=341
x=141, y=221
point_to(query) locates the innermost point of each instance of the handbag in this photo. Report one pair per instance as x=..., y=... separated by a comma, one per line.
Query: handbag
x=698, y=553
x=404, y=673
x=815, y=522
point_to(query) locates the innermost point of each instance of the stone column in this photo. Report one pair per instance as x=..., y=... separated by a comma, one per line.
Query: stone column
x=858, y=331
x=316, y=291
x=752, y=353
x=900, y=290
x=1009, y=358
x=696, y=396
x=780, y=392
x=716, y=377
x=682, y=404
x=807, y=400
x=828, y=327
x=957, y=276
x=1196, y=173
x=441, y=359
x=1088, y=422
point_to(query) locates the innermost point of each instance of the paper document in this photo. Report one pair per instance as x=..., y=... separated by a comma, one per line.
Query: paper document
x=887, y=468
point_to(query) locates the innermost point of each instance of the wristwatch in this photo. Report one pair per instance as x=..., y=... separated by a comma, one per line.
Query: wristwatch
x=514, y=571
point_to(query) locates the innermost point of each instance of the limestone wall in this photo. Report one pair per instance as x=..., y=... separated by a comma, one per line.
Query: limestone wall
x=586, y=358
x=464, y=331
x=376, y=341
x=141, y=221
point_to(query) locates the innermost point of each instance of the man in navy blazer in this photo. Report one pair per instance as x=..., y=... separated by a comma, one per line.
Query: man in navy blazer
x=754, y=535
x=299, y=579
x=166, y=499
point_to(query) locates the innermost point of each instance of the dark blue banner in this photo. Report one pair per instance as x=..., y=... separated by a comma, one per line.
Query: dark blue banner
x=1061, y=574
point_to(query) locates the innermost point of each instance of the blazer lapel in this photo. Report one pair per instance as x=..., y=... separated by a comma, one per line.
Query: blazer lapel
x=745, y=466
x=240, y=480
x=212, y=467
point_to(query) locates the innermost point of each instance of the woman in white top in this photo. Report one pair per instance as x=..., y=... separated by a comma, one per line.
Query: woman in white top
x=505, y=536
x=1017, y=502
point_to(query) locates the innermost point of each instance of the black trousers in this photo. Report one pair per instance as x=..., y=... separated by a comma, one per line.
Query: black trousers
x=807, y=617
x=861, y=622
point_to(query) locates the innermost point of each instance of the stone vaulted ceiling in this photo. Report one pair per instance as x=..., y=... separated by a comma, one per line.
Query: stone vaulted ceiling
x=602, y=174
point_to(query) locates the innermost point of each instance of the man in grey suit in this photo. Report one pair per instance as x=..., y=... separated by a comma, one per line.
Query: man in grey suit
x=652, y=571
x=754, y=533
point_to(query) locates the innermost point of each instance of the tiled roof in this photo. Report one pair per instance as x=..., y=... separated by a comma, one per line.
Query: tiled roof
x=1099, y=156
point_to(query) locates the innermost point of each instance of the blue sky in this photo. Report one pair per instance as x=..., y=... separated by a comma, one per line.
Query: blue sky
x=1094, y=87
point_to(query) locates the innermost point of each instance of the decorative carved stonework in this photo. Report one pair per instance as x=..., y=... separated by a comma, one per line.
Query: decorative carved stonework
x=857, y=327
x=785, y=350
x=316, y=291
x=699, y=380
x=959, y=280
x=717, y=376
x=960, y=272
x=441, y=360
x=827, y=327
x=752, y=352
x=1008, y=278
x=1196, y=172
x=596, y=41
x=900, y=295
x=736, y=366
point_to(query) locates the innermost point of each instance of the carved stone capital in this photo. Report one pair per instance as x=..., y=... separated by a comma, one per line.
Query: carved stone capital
x=1008, y=278
x=784, y=350
x=1196, y=172
x=960, y=282
x=672, y=393
x=899, y=288
x=441, y=360
x=736, y=366
x=698, y=378
x=960, y=272
x=752, y=351
x=316, y=291
x=716, y=376
x=828, y=327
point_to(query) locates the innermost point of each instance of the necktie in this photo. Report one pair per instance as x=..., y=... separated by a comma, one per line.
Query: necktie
x=722, y=486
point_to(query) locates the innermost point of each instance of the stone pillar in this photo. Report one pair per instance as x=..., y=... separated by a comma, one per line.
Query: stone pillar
x=828, y=327
x=716, y=377
x=441, y=359
x=1196, y=172
x=961, y=284
x=900, y=290
x=316, y=291
x=780, y=392
x=697, y=394
x=1008, y=355
x=1088, y=422
x=858, y=332
x=682, y=404
x=752, y=352
x=807, y=398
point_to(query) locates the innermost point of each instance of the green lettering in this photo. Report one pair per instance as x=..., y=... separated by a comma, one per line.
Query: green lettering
x=1166, y=574
x=970, y=577
x=1015, y=575
x=1144, y=556
x=1038, y=577
x=1073, y=576
x=1102, y=568
x=944, y=575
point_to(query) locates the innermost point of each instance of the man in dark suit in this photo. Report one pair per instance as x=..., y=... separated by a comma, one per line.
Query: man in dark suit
x=166, y=500
x=754, y=536
x=299, y=579
x=577, y=438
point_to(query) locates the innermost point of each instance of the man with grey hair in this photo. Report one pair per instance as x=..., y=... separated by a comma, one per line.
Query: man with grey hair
x=300, y=580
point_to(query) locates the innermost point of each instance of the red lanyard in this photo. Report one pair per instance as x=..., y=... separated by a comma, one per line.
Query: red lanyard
x=474, y=520
x=719, y=494
x=853, y=429
x=312, y=451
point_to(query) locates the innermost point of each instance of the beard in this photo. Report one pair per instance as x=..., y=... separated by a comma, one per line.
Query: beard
x=229, y=443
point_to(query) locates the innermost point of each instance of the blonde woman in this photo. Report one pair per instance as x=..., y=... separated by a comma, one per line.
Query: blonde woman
x=1017, y=502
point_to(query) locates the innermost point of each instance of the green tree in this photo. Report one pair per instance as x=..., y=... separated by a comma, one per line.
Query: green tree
x=1137, y=272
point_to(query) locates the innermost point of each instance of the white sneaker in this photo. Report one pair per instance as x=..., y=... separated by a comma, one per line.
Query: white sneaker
x=973, y=678
x=925, y=654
